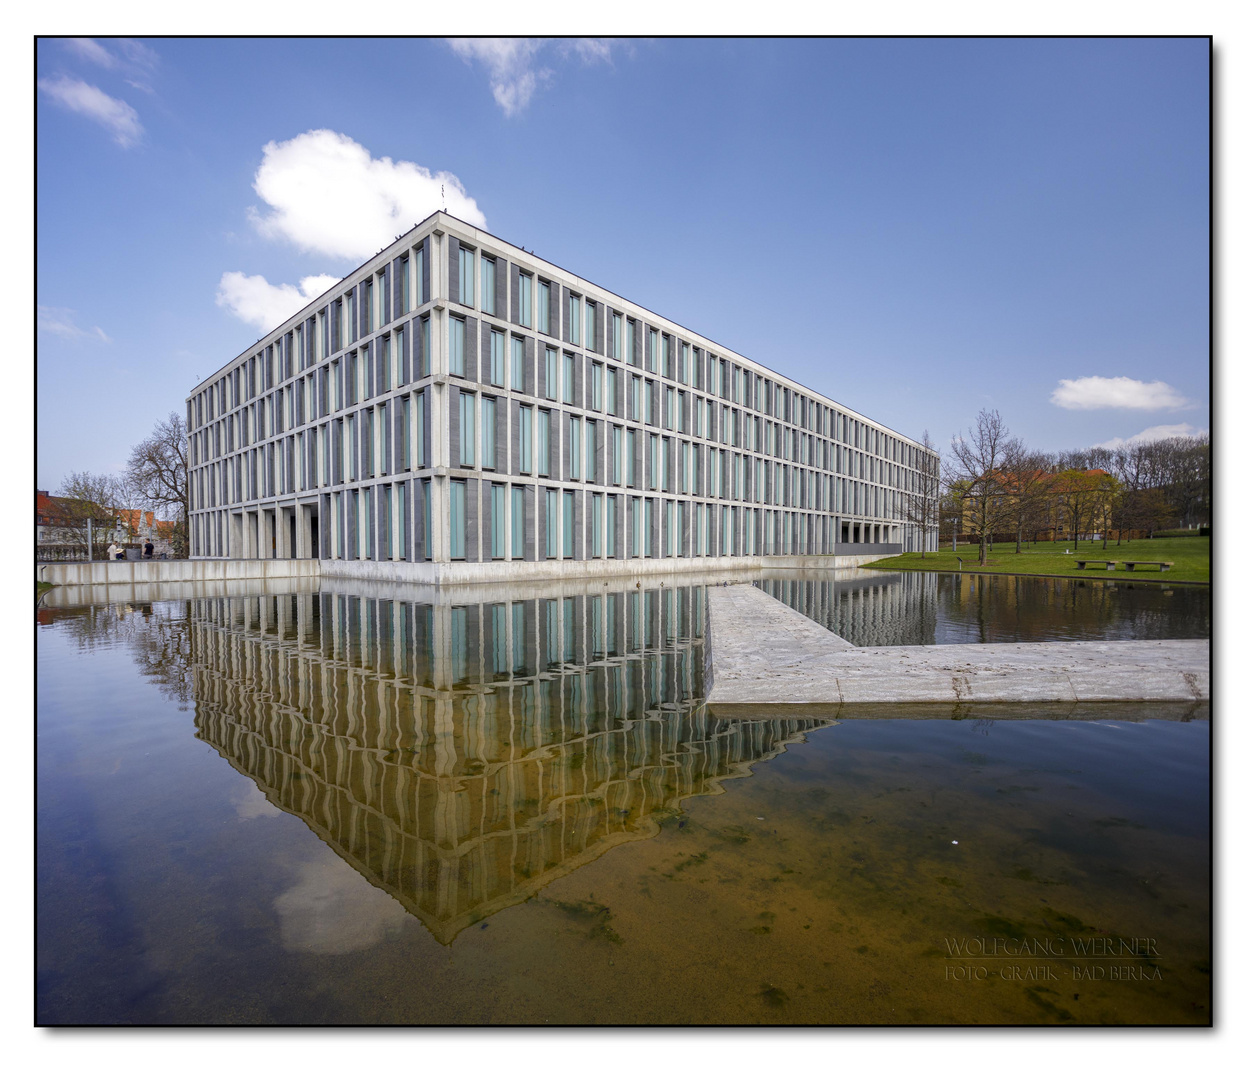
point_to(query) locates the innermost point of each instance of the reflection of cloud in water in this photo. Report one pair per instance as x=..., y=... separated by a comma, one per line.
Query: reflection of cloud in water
x=250, y=802
x=332, y=909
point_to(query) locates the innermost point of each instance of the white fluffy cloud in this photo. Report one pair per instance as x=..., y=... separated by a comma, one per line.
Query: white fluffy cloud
x=513, y=63
x=94, y=103
x=134, y=60
x=252, y=299
x=329, y=196
x=1154, y=434
x=60, y=322
x=1097, y=392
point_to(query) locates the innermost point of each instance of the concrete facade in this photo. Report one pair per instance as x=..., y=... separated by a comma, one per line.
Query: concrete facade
x=456, y=407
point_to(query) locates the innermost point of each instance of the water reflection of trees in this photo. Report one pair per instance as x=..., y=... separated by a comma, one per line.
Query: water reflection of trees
x=158, y=636
x=931, y=608
x=462, y=755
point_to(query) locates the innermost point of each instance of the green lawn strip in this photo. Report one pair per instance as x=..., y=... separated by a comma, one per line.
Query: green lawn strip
x=1190, y=556
x=42, y=587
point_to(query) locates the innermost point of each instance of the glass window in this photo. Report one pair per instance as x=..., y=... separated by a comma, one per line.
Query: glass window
x=498, y=524
x=526, y=438
x=631, y=330
x=616, y=336
x=488, y=286
x=596, y=386
x=653, y=340
x=568, y=536
x=544, y=308
x=616, y=454
x=590, y=451
x=653, y=452
x=418, y=276
x=596, y=526
x=553, y=522
x=569, y=361
x=575, y=447
x=468, y=414
x=525, y=299
x=455, y=351
x=612, y=377
x=631, y=450
x=544, y=442
x=466, y=277
x=457, y=519
x=498, y=359
x=518, y=525
x=488, y=433
x=518, y=363
x=573, y=313
x=611, y=528
x=552, y=373
x=590, y=324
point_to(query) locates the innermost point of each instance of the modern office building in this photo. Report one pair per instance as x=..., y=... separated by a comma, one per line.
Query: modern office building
x=458, y=409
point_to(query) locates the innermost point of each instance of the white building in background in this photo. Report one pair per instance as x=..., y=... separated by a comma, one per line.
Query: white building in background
x=458, y=409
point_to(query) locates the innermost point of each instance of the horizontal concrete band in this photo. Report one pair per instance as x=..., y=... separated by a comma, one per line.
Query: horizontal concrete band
x=311, y=571
x=762, y=652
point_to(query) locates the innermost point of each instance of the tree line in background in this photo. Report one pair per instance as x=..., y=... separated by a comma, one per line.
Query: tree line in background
x=993, y=487
x=155, y=478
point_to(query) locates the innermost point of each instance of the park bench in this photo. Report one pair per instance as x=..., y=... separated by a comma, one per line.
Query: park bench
x=1082, y=563
x=1133, y=564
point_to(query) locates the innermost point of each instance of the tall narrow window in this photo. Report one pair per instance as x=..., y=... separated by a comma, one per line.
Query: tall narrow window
x=596, y=386
x=525, y=300
x=616, y=454
x=405, y=428
x=488, y=286
x=590, y=324
x=468, y=416
x=610, y=528
x=567, y=523
x=405, y=285
x=573, y=314
x=525, y=435
x=553, y=522
x=631, y=450
x=498, y=523
x=418, y=277
x=420, y=432
x=518, y=363
x=596, y=526
x=488, y=432
x=466, y=277
x=653, y=452
x=552, y=373
x=498, y=358
x=518, y=524
x=569, y=361
x=590, y=451
x=617, y=322
x=455, y=351
x=653, y=350
x=544, y=442
x=457, y=519
x=613, y=375
x=631, y=350
x=544, y=308
x=575, y=446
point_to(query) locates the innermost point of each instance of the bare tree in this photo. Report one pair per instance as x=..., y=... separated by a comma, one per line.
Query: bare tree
x=85, y=496
x=1026, y=483
x=157, y=472
x=921, y=505
x=975, y=472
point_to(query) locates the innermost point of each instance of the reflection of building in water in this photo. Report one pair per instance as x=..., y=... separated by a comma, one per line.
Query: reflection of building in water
x=462, y=756
x=867, y=608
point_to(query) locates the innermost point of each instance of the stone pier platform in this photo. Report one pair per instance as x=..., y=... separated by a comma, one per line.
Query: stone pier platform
x=763, y=652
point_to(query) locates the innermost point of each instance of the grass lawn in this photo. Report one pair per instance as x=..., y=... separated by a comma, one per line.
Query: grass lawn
x=42, y=587
x=1191, y=556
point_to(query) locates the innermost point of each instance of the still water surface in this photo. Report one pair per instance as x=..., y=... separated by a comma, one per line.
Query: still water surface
x=353, y=807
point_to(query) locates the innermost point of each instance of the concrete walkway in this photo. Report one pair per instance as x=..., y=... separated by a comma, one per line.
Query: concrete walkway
x=763, y=652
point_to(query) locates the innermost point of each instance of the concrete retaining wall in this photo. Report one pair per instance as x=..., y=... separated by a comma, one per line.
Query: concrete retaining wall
x=156, y=571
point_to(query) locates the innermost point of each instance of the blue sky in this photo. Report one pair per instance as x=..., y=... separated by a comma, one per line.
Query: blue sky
x=917, y=228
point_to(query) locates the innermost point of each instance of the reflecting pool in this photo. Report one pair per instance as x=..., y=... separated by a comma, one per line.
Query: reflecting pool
x=378, y=806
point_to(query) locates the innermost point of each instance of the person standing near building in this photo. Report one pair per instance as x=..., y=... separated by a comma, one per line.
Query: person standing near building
x=115, y=552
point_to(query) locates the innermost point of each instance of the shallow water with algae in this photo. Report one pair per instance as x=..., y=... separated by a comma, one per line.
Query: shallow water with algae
x=511, y=806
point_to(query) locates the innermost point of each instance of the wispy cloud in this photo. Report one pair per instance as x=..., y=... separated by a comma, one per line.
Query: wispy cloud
x=1097, y=392
x=328, y=195
x=252, y=299
x=1154, y=434
x=514, y=66
x=60, y=323
x=93, y=103
x=136, y=62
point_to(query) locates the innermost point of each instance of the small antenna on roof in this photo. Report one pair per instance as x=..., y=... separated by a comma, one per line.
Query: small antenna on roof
x=442, y=190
